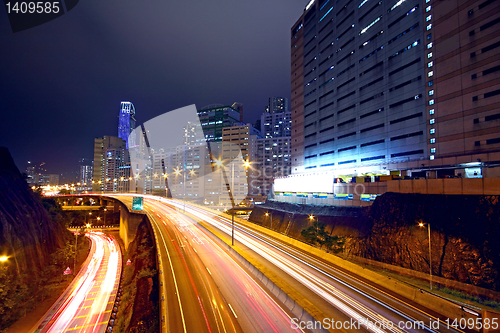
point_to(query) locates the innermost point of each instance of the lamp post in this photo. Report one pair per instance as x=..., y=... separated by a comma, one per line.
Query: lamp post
x=76, y=251
x=311, y=217
x=421, y=224
x=105, y=209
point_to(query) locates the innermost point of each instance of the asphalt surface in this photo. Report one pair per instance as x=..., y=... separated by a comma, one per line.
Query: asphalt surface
x=202, y=288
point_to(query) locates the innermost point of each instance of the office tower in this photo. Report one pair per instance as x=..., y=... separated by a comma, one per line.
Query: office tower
x=126, y=122
x=214, y=118
x=277, y=105
x=85, y=174
x=110, y=156
x=405, y=86
x=276, y=124
x=235, y=140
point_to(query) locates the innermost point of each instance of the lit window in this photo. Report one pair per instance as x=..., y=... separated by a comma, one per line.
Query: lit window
x=431, y=111
x=370, y=25
x=432, y=157
x=431, y=83
x=430, y=64
x=433, y=140
x=433, y=150
x=429, y=26
x=429, y=45
x=429, y=55
x=429, y=36
x=432, y=131
x=431, y=73
x=431, y=92
x=432, y=121
x=428, y=18
x=431, y=102
x=427, y=1
x=428, y=9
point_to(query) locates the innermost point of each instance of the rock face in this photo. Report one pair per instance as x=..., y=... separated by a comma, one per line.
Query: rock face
x=464, y=235
x=28, y=234
x=139, y=308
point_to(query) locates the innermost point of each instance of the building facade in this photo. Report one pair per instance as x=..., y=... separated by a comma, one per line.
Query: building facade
x=110, y=156
x=276, y=124
x=214, y=118
x=400, y=88
x=369, y=79
x=277, y=105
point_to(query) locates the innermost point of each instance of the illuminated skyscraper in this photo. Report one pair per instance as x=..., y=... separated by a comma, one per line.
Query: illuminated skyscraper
x=126, y=121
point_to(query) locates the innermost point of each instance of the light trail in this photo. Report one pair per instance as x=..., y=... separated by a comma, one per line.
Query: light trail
x=85, y=308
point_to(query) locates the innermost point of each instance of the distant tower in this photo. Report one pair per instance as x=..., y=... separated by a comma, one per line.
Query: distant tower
x=277, y=105
x=126, y=122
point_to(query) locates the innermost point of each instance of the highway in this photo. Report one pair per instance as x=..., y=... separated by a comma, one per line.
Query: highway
x=339, y=295
x=203, y=289
x=86, y=304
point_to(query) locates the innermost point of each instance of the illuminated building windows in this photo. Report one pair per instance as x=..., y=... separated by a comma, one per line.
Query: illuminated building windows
x=432, y=131
x=431, y=102
x=433, y=140
x=428, y=18
x=430, y=64
x=431, y=111
x=431, y=83
x=431, y=73
x=429, y=26
x=429, y=45
x=432, y=121
x=431, y=92
x=433, y=150
x=428, y=9
x=432, y=157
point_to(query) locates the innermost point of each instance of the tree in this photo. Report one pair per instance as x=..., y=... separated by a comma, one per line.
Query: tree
x=316, y=234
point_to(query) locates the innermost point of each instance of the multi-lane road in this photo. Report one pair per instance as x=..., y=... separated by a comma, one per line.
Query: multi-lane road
x=86, y=304
x=340, y=296
x=203, y=289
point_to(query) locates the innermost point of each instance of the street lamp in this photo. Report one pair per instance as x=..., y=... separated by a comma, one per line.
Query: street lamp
x=219, y=163
x=421, y=224
x=267, y=214
x=311, y=217
x=4, y=259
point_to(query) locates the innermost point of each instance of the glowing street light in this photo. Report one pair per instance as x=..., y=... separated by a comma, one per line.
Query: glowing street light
x=4, y=259
x=421, y=224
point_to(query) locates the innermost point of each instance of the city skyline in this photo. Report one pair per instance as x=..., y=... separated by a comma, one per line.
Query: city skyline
x=62, y=81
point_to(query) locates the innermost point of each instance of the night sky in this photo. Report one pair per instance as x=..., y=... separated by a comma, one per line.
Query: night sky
x=61, y=83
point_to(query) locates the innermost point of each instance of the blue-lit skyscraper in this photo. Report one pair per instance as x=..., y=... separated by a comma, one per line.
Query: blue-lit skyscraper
x=126, y=122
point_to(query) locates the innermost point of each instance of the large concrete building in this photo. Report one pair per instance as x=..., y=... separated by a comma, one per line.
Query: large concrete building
x=404, y=87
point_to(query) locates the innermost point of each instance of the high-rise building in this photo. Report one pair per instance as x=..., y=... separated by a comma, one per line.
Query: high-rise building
x=274, y=125
x=126, y=122
x=214, y=118
x=110, y=158
x=406, y=86
x=85, y=174
x=273, y=160
x=241, y=139
x=277, y=105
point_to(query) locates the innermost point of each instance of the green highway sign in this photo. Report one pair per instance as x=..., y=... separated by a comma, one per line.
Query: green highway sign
x=137, y=203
